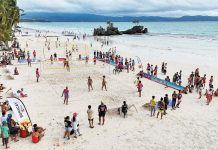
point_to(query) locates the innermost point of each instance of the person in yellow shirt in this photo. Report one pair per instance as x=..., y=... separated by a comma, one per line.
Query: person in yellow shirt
x=152, y=106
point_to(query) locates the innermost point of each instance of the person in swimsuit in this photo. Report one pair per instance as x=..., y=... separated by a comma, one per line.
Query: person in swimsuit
x=102, y=109
x=66, y=95
x=179, y=99
x=124, y=109
x=139, y=86
x=104, y=84
x=37, y=74
x=90, y=83
x=68, y=127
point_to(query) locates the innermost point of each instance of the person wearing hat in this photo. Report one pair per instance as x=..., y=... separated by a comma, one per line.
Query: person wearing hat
x=75, y=125
x=5, y=134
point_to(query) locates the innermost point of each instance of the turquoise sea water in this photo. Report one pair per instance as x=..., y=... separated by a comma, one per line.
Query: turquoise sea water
x=181, y=28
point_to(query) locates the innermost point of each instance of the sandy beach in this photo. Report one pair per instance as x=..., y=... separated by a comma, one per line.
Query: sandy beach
x=192, y=126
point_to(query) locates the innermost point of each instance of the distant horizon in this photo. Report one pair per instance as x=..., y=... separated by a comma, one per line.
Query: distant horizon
x=88, y=17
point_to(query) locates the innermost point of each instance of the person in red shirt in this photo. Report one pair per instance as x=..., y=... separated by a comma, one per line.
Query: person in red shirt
x=37, y=74
x=139, y=86
x=29, y=61
x=65, y=93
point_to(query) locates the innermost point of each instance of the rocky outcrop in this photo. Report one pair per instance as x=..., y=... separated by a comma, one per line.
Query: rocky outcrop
x=109, y=31
x=136, y=30
x=114, y=31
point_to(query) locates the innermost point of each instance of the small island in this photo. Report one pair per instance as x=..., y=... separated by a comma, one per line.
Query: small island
x=111, y=30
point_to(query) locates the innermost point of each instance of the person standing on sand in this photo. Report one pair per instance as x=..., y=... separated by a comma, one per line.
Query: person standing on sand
x=166, y=101
x=5, y=134
x=94, y=60
x=104, y=84
x=29, y=61
x=34, y=54
x=179, y=96
x=51, y=59
x=90, y=113
x=152, y=106
x=160, y=108
x=211, y=82
x=65, y=93
x=102, y=109
x=90, y=83
x=174, y=97
x=209, y=96
x=139, y=86
x=37, y=75
x=124, y=109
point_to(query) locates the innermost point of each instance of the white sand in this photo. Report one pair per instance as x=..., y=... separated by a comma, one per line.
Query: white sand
x=193, y=126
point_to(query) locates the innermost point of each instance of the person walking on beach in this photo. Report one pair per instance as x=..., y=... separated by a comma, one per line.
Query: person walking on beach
x=160, y=108
x=75, y=124
x=179, y=96
x=174, y=97
x=104, y=84
x=102, y=109
x=152, y=106
x=37, y=75
x=124, y=109
x=139, y=86
x=90, y=83
x=90, y=113
x=68, y=127
x=65, y=93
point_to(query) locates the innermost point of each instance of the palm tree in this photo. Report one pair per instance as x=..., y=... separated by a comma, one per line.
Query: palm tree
x=136, y=22
x=9, y=18
x=110, y=24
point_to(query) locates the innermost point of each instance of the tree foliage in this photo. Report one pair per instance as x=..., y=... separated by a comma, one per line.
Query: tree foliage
x=9, y=17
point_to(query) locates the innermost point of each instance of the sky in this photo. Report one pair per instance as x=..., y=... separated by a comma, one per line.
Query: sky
x=166, y=8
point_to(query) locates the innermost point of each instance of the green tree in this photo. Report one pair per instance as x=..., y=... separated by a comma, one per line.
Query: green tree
x=9, y=18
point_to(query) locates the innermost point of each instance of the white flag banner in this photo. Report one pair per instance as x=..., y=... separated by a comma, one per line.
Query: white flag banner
x=19, y=111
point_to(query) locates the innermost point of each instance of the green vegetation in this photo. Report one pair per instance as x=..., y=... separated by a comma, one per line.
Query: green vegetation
x=9, y=18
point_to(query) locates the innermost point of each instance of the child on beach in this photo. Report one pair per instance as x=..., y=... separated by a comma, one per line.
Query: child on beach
x=22, y=94
x=102, y=109
x=152, y=106
x=90, y=83
x=16, y=71
x=139, y=86
x=5, y=134
x=37, y=75
x=65, y=93
x=90, y=113
x=51, y=59
x=104, y=84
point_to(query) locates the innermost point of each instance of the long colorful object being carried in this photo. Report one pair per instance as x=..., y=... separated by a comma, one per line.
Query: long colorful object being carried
x=20, y=112
x=161, y=81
